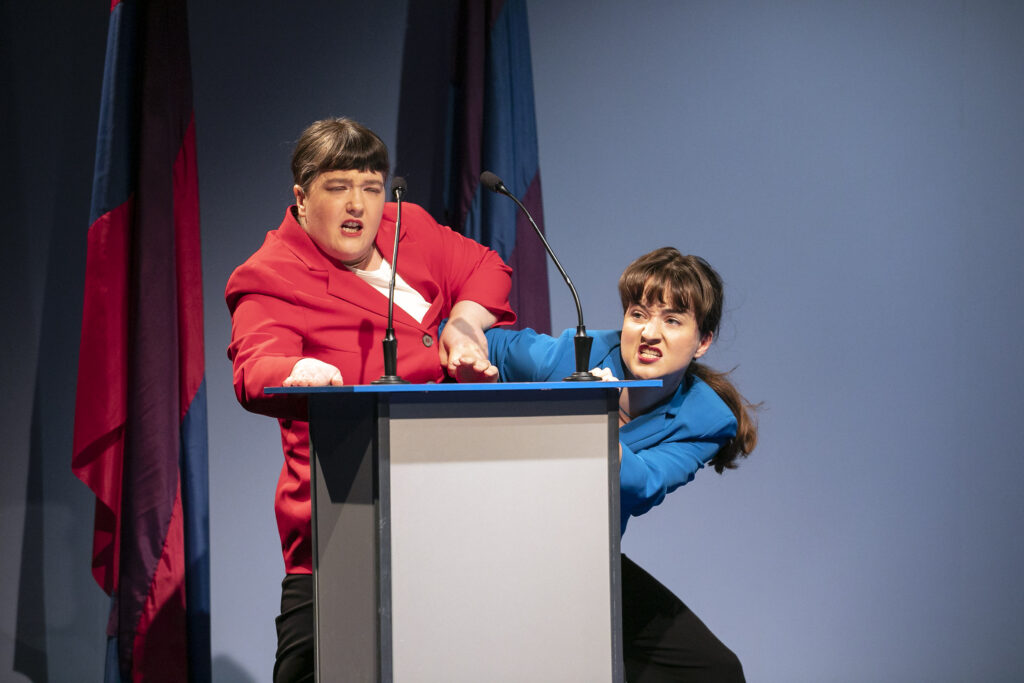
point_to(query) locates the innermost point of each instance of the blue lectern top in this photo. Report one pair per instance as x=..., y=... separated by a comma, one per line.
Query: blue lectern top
x=454, y=386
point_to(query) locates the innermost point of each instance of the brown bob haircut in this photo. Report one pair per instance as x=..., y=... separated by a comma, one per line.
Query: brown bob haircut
x=338, y=144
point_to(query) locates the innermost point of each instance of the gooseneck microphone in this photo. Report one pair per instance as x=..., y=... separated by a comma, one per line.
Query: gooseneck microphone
x=390, y=343
x=581, y=341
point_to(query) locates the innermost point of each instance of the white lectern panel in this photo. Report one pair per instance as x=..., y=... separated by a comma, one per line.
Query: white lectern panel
x=479, y=498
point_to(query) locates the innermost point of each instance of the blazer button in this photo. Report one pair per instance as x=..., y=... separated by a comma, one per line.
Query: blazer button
x=428, y=341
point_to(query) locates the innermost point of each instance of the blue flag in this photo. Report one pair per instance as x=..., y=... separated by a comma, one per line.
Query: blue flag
x=466, y=107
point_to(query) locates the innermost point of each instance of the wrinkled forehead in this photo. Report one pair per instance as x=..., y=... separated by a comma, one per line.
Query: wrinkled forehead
x=363, y=176
x=673, y=295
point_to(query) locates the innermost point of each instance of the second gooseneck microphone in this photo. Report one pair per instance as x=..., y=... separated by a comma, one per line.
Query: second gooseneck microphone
x=390, y=343
x=581, y=341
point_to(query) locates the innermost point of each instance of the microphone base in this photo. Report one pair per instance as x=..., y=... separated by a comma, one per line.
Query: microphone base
x=581, y=345
x=390, y=348
x=581, y=377
x=389, y=379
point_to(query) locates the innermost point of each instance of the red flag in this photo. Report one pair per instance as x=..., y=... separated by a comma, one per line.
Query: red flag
x=140, y=414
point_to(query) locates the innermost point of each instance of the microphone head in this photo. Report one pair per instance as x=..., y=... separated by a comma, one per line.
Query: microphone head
x=398, y=187
x=493, y=183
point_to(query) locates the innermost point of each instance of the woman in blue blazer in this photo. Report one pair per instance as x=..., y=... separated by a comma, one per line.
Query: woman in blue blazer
x=672, y=306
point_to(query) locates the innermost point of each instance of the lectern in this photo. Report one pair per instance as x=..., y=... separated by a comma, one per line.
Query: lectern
x=466, y=532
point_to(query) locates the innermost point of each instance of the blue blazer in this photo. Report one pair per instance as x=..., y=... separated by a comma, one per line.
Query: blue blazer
x=661, y=449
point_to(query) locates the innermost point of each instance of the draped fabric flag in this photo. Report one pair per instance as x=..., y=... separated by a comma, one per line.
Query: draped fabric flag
x=466, y=107
x=140, y=413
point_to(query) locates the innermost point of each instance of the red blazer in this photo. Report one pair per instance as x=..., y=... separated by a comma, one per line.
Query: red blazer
x=289, y=301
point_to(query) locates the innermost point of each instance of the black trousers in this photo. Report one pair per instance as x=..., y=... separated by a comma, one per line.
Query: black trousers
x=295, y=631
x=662, y=639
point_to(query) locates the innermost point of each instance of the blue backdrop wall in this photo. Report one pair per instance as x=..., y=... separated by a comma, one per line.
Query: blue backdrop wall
x=854, y=171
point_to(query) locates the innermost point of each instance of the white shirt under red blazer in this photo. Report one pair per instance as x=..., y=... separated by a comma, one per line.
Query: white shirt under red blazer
x=290, y=301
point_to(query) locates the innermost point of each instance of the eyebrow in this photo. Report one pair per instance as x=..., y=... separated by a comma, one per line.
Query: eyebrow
x=669, y=311
x=346, y=181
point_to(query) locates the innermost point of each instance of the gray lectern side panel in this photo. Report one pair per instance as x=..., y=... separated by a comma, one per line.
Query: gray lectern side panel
x=345, y=541
x=615, y=537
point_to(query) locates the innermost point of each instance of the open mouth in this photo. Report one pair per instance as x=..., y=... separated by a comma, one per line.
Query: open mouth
x=351, y=227
x=648, y=354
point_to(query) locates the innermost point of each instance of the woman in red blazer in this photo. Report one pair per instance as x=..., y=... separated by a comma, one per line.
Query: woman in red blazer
x=310, y=308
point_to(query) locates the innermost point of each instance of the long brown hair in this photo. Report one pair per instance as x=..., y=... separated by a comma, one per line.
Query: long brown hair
x=689, y=283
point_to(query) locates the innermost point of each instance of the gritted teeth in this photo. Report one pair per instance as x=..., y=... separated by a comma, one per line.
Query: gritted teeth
x=650, y=352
